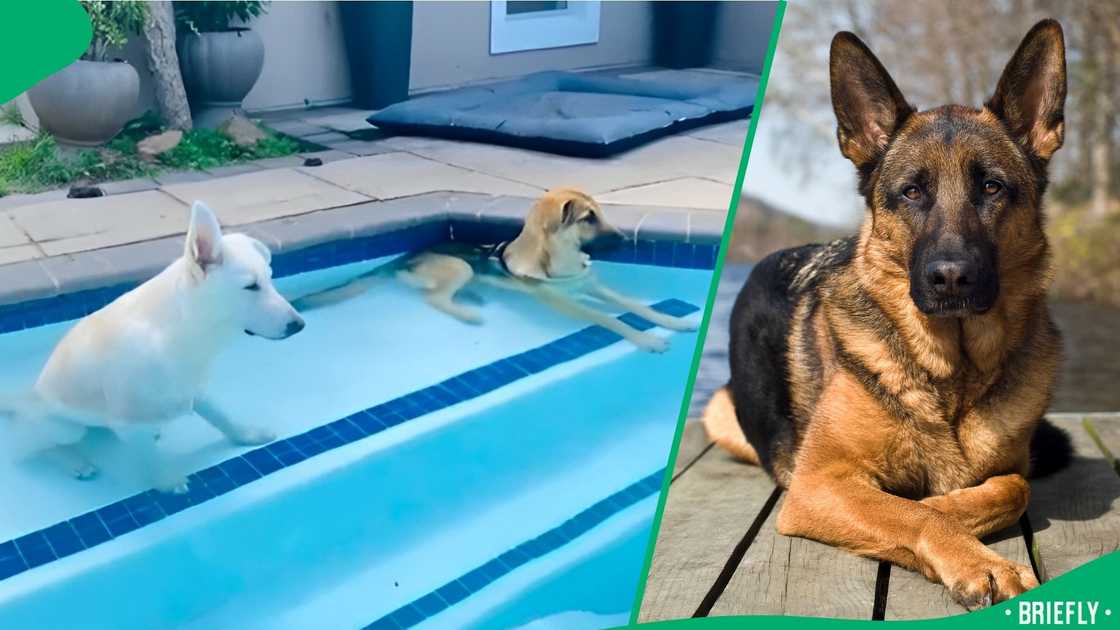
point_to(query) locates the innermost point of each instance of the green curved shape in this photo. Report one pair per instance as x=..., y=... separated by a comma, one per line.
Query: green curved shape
x=37, y=39
x=1092, y=587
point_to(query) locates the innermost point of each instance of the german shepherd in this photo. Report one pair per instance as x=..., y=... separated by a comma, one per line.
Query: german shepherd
x=892, y=382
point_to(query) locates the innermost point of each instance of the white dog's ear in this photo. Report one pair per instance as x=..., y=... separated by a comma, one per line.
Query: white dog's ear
x=204, y=237
x=264, y=250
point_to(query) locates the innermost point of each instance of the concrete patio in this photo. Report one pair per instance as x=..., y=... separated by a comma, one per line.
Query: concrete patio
x=693, y=171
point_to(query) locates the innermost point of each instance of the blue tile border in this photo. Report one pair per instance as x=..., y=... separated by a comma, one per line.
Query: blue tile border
x=129, y=514
x=482, y=576
x=69, y=306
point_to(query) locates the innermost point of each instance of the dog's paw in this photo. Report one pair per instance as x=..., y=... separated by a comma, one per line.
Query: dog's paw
x=990, y=583
x=685, y=324
x=651, y=343
x=84, y=471
x=252, y=436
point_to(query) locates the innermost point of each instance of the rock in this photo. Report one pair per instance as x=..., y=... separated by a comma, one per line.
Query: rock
x=242, y=131
x=154, y=146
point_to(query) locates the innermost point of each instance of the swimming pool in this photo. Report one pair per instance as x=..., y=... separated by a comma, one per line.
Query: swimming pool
x=430, y=472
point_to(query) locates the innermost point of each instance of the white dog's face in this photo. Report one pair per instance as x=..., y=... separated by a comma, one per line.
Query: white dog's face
x=234, y=274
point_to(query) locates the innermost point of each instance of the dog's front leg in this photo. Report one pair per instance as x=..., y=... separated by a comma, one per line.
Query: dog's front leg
x=236, y=433
x=853, y=514
x=598, y=290
x=568, y=306
x=141, y=442
x=989, y=507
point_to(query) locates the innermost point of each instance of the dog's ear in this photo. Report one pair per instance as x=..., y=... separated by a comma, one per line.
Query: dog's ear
x=263, y=249
x=568, y=212
x=869, y=106
x=204, y=237
x=1031, y=94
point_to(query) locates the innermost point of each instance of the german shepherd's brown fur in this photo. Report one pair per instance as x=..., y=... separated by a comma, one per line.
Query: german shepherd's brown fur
x=892, y=382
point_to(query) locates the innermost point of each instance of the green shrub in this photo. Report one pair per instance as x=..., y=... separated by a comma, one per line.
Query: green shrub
x=112, y=23
x=210, y=17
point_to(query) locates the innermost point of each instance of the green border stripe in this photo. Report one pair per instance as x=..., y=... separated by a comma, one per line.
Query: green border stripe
x=733, y=207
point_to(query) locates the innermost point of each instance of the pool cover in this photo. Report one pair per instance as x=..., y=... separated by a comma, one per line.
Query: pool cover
x=573, y=113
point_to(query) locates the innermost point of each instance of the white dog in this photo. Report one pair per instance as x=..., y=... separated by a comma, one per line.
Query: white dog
x=143, y=359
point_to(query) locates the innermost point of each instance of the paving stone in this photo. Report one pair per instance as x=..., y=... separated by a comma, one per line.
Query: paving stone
x=77, y=271
x=686, y=192
x=19, y=253
x=24, y=281
x=349, y=121
x=361, y=147
x=19, y=199
x=541, y=171
x=264, y=195
x=10, y=233
x=181, y=177
x=678, y=155
x=705, y=226
x=233, y=169
x=284, y=161
x=327, y=137
x=503, y=207
x=71, y=225
x=732, y=133
x=129, y=185
x=663, y=224
x=139, y=261
x=401, y=174
x=297, y=128
x=327, y=155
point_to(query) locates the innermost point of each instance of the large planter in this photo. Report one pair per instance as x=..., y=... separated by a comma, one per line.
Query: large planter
x=87, y=102
x=684, y=33
x=378, y=38
x=219, y=69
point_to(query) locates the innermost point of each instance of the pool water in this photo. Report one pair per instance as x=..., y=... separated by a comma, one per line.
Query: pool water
x=405, y=525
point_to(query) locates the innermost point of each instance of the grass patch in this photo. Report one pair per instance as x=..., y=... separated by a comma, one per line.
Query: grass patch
x=40, y=164
x=1086, y=258
x=11, y=115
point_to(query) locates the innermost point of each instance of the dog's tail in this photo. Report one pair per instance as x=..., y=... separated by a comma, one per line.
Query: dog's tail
x=1051, y=450
x=347, y=290
x=722, y=426
x=28, y=425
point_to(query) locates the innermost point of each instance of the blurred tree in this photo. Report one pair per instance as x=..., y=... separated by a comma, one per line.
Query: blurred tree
x=954, y=51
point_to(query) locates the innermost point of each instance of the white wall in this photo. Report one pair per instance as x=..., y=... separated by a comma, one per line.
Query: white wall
x=304, y=58
x=743, y=34
x=451, y=44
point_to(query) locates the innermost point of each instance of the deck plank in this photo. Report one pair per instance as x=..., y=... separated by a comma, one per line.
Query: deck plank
x=694, y=441
x=1075, y=513
x=708, y=510
x=1107, y=428
x=780, y=575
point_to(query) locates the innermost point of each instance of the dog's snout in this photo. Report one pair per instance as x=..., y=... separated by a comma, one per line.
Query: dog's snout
x=951, y=278
x=294, y=327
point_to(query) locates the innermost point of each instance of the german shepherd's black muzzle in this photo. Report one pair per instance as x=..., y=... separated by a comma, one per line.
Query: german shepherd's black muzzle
x=954, y=275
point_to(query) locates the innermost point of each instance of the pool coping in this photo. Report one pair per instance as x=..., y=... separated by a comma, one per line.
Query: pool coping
x=470, y=212
x=94, y=527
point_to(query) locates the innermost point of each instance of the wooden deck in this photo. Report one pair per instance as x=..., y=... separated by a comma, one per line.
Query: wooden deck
x=718, y=552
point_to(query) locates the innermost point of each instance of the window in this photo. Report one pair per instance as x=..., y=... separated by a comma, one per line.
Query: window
x=517, y=25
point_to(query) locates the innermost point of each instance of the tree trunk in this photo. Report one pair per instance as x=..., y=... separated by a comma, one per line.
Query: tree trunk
x=1101, y=140
x=163, y=62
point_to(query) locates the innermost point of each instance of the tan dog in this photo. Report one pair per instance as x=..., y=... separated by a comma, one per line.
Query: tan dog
x=546, y=260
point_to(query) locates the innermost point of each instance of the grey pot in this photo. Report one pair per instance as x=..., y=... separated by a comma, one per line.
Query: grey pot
x=87, y=102
x=219, y=69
